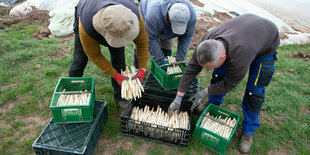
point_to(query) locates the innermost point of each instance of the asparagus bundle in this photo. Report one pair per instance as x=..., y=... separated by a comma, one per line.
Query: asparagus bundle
x=74, y=99
x=218, y=125
x=174, y=68
x=159, y=117
x=131, y=88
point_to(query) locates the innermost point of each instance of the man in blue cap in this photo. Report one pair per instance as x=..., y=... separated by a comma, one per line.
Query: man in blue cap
x=166, y=20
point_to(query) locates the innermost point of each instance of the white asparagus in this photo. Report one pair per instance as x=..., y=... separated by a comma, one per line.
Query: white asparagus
x=131, y=88
x=172, y=69
x=74, y=99
x=219, y=125
x=159, y=117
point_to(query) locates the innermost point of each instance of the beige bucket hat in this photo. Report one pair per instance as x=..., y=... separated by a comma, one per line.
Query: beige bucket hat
x=117, y=24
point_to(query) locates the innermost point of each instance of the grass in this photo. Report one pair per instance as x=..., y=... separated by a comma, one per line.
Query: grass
x=30, y=70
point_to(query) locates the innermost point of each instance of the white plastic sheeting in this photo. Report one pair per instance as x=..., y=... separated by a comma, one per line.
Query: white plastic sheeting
x=295, y=13
x=20, y=10
x=292, y=17
x=61, y=13
x=245, y=6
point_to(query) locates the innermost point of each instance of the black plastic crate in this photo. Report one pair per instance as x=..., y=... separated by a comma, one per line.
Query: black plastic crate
x=75, y=138
x=152, y=86
x=159, y=133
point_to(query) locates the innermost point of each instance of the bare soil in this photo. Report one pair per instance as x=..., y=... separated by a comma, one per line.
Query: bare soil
x=203, y=24
x=281, y=151
x=302, y=56
x=223, y=17
x=197, y=3
x=36, y=16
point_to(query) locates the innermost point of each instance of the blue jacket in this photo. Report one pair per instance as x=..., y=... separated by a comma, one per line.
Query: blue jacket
x=154, y=14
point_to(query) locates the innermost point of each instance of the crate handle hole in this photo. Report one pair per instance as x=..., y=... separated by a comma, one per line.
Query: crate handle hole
x=223, y=113
x=79, y=81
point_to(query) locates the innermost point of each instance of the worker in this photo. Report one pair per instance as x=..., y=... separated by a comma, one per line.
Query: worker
x=246, y=42
x=166, y=20
x=113, y=24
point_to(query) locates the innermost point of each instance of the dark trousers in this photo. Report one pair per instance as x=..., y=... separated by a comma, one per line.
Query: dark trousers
x=135, y=59
x=80, y=59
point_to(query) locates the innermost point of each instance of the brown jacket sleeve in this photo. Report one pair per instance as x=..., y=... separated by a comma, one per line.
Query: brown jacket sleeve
x=92, y=50
x=192, y=70
x=142, y=45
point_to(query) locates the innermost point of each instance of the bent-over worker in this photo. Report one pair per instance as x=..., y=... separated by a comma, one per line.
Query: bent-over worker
x=113, y=24
x=247, y=42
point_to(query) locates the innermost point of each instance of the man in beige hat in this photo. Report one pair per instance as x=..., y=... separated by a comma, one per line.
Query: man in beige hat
x=114, y=24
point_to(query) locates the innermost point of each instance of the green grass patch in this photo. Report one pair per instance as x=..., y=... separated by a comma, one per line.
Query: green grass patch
x=30, y=70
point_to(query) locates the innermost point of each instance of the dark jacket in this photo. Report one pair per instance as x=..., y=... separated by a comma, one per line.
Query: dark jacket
x=245, y=38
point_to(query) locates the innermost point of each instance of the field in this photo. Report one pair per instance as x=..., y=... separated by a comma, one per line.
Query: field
x=30, y=69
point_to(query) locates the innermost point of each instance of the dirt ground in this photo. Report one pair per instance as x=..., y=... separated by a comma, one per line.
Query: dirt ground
x=203, y=24
x=302, y=56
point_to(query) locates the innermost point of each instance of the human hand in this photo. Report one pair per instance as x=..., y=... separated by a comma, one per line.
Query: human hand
x=175, y=105
x=119, y=78
x=198, y=98
x=163, y=65
x=140, y=74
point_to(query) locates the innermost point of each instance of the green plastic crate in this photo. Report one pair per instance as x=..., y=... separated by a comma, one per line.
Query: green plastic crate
x=73, y=113
x=209, y=138
x=167, y=81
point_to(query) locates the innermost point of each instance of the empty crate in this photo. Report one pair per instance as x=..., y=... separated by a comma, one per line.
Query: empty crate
x=74, y=138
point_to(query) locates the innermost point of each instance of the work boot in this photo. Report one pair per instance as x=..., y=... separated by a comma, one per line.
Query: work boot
x=245, y=144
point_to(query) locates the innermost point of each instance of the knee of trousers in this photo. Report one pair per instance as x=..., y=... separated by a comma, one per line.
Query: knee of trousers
x=253, y=102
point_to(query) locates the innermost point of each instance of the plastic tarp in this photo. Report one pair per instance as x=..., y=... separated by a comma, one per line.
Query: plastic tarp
x=291, y=16
x=60, y=11
x=246, y=6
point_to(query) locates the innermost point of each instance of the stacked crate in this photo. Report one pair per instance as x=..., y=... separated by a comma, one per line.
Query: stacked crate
x=77, y=119
x=160, y=90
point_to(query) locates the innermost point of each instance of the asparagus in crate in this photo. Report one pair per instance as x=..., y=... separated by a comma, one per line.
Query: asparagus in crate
x=174, y=68
x=131, y=88
x=218, y=125
x=159, y=117
x=73, y=98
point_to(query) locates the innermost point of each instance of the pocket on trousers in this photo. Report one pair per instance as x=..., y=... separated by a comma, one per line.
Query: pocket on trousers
x=267, y=70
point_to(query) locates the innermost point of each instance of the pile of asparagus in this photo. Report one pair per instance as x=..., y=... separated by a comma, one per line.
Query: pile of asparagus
x=81, y=98
x=218, y=125
x=131, y=88
x=159, y=117
x=174, y=68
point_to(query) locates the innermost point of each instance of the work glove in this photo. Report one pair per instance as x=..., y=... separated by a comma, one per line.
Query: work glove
x=164, y=63
x=140, y=75
x=175, y=105
x=198, y=98
x=119, y=78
